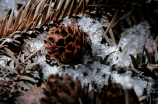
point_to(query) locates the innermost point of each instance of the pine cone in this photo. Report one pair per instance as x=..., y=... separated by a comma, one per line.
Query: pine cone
x=58, y=90
x=63, y=90
x=65, y=44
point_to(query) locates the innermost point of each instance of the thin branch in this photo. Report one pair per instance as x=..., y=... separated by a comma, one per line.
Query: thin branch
x=126, y=15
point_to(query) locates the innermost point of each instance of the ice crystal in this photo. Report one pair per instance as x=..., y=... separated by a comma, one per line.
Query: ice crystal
x=137, y=83
x=3, y=60
x=137, y=34
x=48, y=70
x=94, y=27
x=92, y=73
x=10, y=4
x=25, y=1
x=36, y=43
x=6, y=5
x=68, y=21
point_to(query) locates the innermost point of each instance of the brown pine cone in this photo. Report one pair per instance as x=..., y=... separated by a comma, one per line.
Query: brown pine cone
x=58, y=90
x=65, y=44
x=64, y=90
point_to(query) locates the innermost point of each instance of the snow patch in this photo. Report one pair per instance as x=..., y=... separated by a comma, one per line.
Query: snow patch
x=137, y=34
x=137, y=83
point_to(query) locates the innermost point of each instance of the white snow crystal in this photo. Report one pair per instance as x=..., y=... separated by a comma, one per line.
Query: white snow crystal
x=8, y=4
x=37, y=43
x=137, y=35
x=40, y=59
x=3, y=60
x=93, y=28
x=2, y=63
x=97, y=67
x=138, y=84
x=48, y=70
x=25, y=1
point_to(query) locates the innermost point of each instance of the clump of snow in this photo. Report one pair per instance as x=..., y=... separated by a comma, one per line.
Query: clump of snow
x=69, y=21
x=137, y=35
x=8, y=4
x=93, y=73
x=2, y=63
x=32, y=45
x=36, y=43
x=137, y=83
x=25, y=1
x=40, y=59
x=48, y=70
x=93, y=27
x=4, y=60
x=127, y=82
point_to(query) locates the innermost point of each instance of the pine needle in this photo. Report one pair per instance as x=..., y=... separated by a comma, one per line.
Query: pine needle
x=21, y=63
